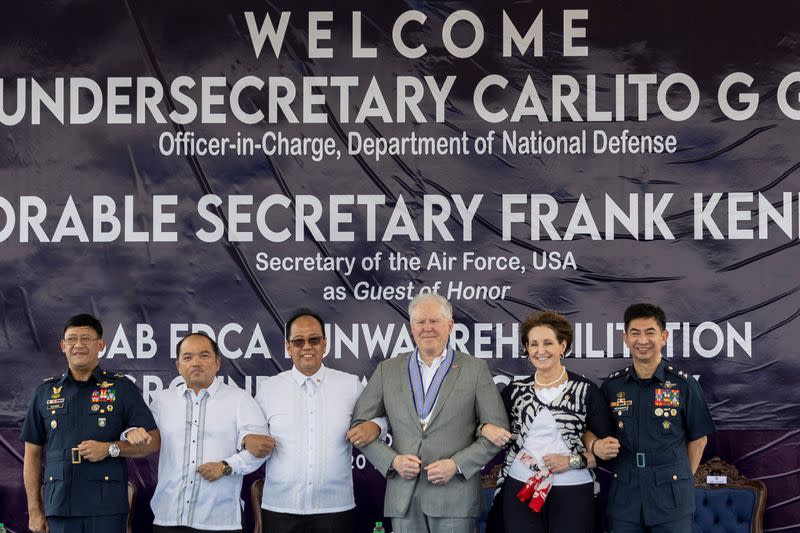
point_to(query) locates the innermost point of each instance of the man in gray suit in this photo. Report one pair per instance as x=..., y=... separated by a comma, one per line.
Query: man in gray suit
x=435, y=399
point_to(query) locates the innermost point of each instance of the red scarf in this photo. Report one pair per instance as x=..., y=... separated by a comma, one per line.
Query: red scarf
x=536, y=489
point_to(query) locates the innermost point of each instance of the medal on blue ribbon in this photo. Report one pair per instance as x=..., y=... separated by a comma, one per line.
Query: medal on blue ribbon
x=425, y=400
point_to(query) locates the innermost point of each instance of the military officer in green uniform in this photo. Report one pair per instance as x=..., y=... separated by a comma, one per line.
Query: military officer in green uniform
x=662, y=426
x=73, y=426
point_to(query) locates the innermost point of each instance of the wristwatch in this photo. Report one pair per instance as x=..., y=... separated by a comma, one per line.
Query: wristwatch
x=227, y=470
x=575, y=462
x=113, y=450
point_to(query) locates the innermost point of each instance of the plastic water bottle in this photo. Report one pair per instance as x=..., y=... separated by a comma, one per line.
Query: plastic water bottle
x=378, y=528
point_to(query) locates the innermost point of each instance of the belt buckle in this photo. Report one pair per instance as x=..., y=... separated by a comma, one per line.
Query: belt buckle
x=640, y=460
x=76, y=456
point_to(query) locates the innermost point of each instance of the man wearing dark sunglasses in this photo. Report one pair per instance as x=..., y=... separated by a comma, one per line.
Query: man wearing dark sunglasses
x=309, y=483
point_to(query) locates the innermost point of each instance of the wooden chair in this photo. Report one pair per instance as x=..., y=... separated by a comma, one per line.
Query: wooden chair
x=736, y=506
x=256, y=492
x=131, y=505
x=488, y=484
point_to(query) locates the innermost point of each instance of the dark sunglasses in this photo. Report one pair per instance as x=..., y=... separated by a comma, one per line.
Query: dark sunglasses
x=313, y=341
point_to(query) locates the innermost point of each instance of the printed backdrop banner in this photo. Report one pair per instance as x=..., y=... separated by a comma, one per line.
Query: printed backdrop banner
x=212, y=166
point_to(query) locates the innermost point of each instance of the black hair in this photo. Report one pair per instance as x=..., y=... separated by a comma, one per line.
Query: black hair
x=214, y=346
x=84, y=320
x=303, y=311
x=643, y=310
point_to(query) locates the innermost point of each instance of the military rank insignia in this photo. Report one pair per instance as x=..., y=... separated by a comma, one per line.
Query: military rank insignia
x=667, y=398
x=57, y=392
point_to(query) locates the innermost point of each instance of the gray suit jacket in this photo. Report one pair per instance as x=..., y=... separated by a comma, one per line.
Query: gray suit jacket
x=468, y=398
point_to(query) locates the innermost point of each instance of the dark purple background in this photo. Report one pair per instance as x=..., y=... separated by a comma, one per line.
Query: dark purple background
x=754, y=400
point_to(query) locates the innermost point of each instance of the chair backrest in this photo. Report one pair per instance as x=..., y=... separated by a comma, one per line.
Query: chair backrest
x=488, y=484
x=256, y=492
x=131, y=505
x=737, y=506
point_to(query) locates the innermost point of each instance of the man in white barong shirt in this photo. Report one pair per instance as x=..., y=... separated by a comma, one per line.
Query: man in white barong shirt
x=205, y=427
x=309, y=482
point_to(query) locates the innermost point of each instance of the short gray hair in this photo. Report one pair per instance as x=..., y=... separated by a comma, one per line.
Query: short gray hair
x=447, y=309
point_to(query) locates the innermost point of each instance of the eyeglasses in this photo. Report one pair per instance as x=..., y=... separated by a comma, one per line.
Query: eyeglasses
x=72, y=341
x=313, y=341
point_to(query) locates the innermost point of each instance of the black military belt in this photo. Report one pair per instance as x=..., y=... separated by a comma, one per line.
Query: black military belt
x=645, y=459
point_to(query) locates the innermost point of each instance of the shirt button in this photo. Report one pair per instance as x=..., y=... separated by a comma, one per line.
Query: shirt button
x=615, y=475
x=51, y=478
x=106, y=478
x=674, y=477
x=424, y=436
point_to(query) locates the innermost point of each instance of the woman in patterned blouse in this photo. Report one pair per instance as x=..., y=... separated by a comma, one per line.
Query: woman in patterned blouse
x=546, y=484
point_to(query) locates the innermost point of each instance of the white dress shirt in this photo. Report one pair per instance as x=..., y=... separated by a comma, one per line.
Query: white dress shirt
x=309, y=470
x=196, y=429
x=427, y=373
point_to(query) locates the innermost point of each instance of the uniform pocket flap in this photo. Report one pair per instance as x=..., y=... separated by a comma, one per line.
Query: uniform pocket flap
x=622, y=473
x=670, y=473
x=53, y=470
x=103, y=475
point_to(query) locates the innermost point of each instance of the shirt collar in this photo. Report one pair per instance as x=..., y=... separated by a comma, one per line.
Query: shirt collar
x=211, y=390
x=301, y=378
x=658, y=375
x=96, y=375
x=436, y=360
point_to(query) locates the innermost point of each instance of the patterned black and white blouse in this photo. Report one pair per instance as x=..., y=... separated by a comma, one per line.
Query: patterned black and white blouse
x=580, y=406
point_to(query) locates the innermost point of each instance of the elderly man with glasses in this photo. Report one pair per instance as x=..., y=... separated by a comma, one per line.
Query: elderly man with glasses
x=73, y=425
x=309, y=483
